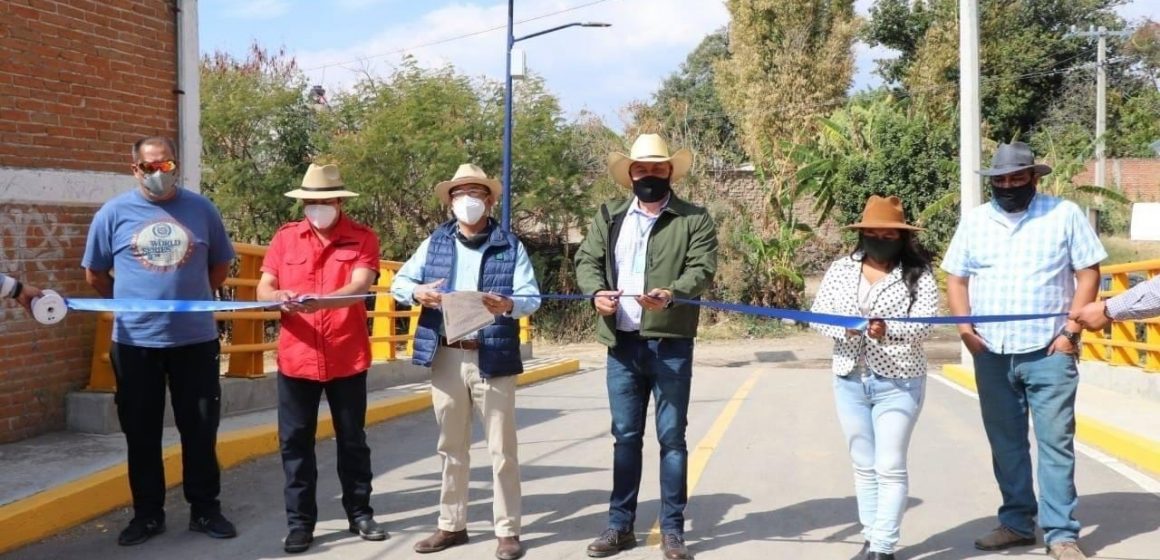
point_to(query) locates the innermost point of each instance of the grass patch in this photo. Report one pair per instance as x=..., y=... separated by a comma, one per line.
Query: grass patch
x=1123, y=250
x=734, y=327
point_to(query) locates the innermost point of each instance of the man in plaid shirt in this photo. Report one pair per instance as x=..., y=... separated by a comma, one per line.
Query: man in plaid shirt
x=1026, y=253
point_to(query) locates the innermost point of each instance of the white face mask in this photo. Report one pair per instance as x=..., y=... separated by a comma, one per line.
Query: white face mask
x=468, y=210
x=321, y=216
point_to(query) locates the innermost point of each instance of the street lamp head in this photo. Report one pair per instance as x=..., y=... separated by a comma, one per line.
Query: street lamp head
x=595, y=24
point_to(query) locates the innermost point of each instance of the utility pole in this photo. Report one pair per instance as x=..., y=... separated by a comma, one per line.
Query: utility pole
x=970, y=117
x=1101, y=34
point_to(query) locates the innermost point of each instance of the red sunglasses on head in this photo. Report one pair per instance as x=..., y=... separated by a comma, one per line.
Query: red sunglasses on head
x=154, y=166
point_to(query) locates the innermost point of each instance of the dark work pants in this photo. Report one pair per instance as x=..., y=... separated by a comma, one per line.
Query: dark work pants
x=193, y=376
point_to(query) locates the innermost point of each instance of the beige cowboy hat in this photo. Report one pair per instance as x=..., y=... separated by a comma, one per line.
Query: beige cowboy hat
x=649, y=148
x=467, y=174
x=883, y=213
x=320, y=183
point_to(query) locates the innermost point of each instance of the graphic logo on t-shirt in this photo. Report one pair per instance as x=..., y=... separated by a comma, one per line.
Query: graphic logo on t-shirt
x=162, y=246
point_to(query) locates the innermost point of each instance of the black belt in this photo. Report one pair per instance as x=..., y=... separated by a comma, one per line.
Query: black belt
x=470, y=344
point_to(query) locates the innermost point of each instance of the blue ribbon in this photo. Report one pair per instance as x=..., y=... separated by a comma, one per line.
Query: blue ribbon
x=844, y=321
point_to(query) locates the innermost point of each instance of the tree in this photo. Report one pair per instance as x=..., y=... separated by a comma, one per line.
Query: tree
x=688, y=111
x=790, y=62
x=1024, y=51
x=257, y=138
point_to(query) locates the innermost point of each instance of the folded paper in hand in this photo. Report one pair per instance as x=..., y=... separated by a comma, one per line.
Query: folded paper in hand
x=464, y=314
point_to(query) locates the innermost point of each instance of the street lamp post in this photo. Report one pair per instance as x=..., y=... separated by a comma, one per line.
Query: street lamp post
x=507, y=104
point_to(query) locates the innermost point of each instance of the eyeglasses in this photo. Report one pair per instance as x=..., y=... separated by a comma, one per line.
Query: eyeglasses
x=154, y=166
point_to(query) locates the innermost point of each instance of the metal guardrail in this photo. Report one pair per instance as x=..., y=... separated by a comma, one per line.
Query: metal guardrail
x=248, y=347
x=1126, y=343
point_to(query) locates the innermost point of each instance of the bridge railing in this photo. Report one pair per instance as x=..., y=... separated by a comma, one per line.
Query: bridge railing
x=248, y=346
x=1126, y=343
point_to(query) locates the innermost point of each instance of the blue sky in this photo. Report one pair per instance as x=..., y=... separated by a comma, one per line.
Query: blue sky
x=600, y=70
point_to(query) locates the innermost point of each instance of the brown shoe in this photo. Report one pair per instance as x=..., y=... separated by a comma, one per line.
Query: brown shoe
x=1002, y=538
x=674, y=547
x=441, y=540
x=509, y=548
x=611, y=542
x=1067, y=550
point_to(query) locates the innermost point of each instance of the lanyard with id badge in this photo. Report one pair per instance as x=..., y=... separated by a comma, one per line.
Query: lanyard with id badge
x=644, y=226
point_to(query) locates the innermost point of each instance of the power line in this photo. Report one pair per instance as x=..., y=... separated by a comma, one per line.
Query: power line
x=905, y=94
x=455, y=38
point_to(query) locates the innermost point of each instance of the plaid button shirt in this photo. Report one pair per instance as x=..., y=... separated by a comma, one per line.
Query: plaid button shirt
x=1141, y=302
x=1023, y=269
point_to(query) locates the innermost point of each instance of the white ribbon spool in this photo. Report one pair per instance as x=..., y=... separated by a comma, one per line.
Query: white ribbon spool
x=49, y=308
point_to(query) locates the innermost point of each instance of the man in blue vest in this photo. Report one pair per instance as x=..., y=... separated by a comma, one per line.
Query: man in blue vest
x=472, y=253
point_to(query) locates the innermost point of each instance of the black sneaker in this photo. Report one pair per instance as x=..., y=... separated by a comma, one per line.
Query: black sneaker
x=368, y=529
x=214, y=525
x=140, y=531
x=298, y=541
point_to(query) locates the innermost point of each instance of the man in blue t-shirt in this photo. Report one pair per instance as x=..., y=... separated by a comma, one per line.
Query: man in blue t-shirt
x=164, y=242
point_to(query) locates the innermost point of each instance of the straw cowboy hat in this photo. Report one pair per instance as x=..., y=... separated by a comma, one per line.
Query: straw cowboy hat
x=883, y=213
x=1013, y=158
x=467, y=174
x=649, y=148
x=321, y=182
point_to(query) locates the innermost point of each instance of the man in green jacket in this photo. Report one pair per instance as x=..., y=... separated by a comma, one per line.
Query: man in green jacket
x=653, y=249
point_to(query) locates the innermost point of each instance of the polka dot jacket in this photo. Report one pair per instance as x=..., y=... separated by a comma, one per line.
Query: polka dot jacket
x=899, y=354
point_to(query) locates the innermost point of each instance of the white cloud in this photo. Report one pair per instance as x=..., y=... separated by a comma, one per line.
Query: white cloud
x=599, y=69
x=258, y=9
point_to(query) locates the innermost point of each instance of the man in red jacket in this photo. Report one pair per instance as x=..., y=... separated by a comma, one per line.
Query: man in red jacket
x=324, y=347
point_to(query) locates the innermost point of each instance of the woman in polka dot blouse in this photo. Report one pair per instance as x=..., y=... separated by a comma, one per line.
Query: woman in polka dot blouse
x=880, y=373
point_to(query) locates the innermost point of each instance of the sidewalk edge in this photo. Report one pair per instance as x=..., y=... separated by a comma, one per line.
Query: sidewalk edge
x=1121, y=444
x=41, y=515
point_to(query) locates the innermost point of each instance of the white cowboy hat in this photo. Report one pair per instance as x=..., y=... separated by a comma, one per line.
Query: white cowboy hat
x=467, y=174
x=321, y=182
x=649, y=148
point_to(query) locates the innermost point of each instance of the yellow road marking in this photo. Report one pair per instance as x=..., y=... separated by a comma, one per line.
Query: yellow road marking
x=699, y=459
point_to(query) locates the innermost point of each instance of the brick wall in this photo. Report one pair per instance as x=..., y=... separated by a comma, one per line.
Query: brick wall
x=40, y=365
x=1137, y=178
x=80, y=80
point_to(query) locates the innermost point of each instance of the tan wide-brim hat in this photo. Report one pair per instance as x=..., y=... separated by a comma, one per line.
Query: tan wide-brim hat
x=649, y=148
x=321, y=182
x=468, y=174
x=883, y=213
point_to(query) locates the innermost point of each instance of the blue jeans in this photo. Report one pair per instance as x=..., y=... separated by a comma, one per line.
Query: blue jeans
x=1009, y=387
x=637, y=368
x=878, y=415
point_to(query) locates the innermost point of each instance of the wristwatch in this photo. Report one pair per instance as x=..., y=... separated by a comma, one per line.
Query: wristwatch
x=1072, y=337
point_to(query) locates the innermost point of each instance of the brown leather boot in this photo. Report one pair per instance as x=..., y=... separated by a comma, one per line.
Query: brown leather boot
x=509, y=548
x=1002, y=538
x=611, y=542
x=441, y=540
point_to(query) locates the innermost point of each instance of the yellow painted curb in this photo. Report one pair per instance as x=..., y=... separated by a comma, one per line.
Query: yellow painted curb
x=1121, y=444
x=41, y=515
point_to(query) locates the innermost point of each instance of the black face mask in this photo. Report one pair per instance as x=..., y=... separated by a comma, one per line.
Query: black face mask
x=882, y=250
x=1013, y=199
x=651, y=189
